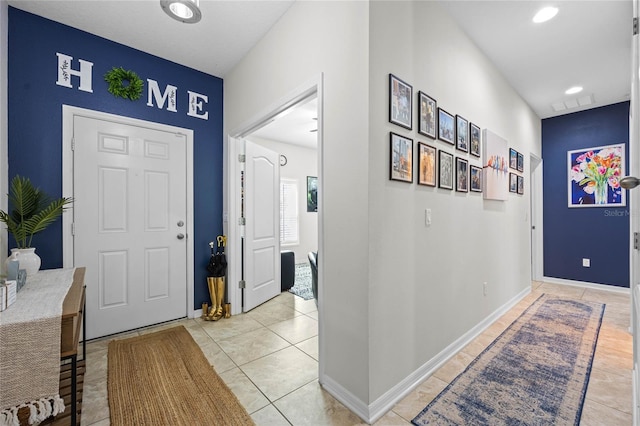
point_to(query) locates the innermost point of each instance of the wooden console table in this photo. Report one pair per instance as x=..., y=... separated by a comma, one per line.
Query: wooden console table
x=72, y=321
x=73, y=315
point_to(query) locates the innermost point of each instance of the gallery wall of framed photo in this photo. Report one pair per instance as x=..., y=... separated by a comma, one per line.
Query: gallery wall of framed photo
x=448, y=148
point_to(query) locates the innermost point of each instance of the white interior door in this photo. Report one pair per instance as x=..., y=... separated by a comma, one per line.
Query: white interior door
x=130, y=209
x=262, y=225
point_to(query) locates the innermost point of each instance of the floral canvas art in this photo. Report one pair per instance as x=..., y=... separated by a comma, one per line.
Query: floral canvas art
x=594, y=176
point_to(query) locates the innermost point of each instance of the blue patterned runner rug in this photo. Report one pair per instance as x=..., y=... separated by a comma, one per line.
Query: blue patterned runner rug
x=535, y=373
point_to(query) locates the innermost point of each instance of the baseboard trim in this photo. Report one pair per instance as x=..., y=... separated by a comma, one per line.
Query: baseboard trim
x=594, y=286
x=349, y=400
x=378, y=408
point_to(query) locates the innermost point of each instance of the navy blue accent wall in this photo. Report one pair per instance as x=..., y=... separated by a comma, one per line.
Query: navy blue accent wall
x=35, y=119
x=571, y=234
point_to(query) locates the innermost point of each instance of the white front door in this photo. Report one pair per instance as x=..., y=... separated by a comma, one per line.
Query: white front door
x=129, y=189
x=262, y=229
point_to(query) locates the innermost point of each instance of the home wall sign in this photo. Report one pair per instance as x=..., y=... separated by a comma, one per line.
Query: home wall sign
x=163, y=99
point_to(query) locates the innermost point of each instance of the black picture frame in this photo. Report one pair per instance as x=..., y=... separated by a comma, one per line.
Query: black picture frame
x=445, y=169
x=401, y=158
x=446, y=127
x=426, y=164
x=520, y=185
x=520, y=162
x=475, y=178
x=400, y=102
x=462, y=175
x=513, y=182
x=312, y=193
x=513, y=159
x=475, y=139
x=462, y=134
x=427, y=115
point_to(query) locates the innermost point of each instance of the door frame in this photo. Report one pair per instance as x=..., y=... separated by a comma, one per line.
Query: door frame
x=537, y=235
x=231, y=215
x=68, y=114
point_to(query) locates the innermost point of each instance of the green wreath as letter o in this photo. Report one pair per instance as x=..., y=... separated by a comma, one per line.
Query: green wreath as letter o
x=117, y=76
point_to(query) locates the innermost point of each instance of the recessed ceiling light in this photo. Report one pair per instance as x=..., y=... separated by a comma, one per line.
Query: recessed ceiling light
x=187, y=11
x=545, y=14
x=573, y=90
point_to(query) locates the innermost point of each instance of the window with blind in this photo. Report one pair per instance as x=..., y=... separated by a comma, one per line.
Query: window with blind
x=288, y=211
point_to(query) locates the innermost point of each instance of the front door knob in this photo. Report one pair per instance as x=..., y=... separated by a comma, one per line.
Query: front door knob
x=180, y=236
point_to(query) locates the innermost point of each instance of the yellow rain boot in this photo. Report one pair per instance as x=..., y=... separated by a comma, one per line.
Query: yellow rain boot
x=211, y=282
x=219, y=282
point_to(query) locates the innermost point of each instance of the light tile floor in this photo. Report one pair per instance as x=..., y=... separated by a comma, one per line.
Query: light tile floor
x=269, y=359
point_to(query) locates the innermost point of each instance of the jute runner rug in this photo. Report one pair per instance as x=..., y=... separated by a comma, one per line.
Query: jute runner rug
x=535, y=373
x=163, y=378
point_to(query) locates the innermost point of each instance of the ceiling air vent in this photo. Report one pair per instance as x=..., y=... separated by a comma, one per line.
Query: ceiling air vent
x=572, y=103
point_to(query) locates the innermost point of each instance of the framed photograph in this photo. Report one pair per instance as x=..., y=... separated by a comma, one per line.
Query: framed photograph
x=446, y=128
x=520, y=185
x=594, y=176
x=513, y=159
x=474, y=139
x=520, y=162
x=462, y=134
x=426, y=164
x=475, y=179
x=445, y=170
x=462, y=175
x=401, y=167
x=312, y=193
x=427, y=115
x=400, y=102
x=513, y=182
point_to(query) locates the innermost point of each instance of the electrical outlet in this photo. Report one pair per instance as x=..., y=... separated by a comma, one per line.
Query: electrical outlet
x=484, y=288
x=586, y=263
x=427, y=217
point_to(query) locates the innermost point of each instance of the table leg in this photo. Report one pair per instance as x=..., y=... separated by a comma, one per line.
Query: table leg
x=74, y=390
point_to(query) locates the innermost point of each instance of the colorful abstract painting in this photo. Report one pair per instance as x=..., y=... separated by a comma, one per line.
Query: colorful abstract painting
x=496, y=167
x=594, y=176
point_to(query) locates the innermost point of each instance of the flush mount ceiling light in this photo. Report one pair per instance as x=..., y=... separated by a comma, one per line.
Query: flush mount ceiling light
x=573, y=90
x=545, y=14
x=187, y=11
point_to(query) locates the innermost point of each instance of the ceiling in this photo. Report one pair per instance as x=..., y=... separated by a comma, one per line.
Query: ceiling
x=588, y=44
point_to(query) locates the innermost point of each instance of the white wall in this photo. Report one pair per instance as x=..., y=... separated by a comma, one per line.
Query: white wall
x=395, y=293
x=329, y=38
x=426, y=282
x=301, y=162
x=4, y=161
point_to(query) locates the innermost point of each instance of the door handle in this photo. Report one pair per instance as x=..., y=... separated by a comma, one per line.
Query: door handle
x=629, y=182
x=180, y=236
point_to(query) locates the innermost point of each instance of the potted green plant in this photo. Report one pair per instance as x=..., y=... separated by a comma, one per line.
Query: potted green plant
x=32, y=211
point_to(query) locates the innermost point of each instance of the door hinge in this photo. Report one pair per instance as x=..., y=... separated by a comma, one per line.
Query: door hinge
x=635, y=26
x=242, y=158
x=242, y=284
x=73, y=228
x=73, y=144
x=636, y=240
x=242, y=221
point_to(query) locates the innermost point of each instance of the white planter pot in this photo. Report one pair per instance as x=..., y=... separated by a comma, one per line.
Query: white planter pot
x=27, y=258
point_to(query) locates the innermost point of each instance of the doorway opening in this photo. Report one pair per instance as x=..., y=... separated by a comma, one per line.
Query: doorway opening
x=537, y=260
x=301, y=101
